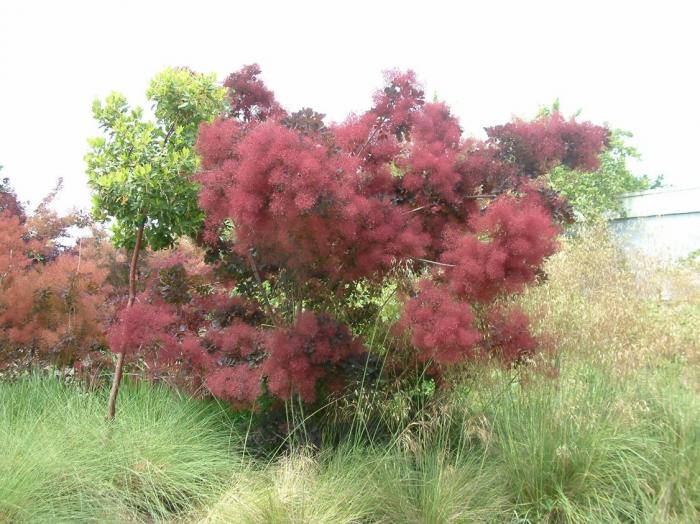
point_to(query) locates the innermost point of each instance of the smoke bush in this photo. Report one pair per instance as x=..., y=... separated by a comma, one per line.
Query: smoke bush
x=300, y=214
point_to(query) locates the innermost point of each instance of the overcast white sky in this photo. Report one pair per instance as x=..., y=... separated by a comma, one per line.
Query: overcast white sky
x=632, y=64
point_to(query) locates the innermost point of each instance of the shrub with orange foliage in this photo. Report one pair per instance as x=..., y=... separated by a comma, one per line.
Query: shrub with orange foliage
x=52, y=299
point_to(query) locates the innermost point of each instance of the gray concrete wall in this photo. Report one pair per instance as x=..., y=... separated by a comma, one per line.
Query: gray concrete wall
x=663, y=223
x=662, y=236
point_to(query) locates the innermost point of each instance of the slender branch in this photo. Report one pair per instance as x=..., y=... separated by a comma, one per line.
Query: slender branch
x=114, y=391
x=484, y=195
x=371, y=136
x=268, y=305
x=134, y=263
x=442, y=264
x=119, y=367
x=168, y=134
x=468, y=197
x=80, y=252
x=416, y=209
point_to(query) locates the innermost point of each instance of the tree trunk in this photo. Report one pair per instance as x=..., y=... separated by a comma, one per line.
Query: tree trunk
x=112, y=405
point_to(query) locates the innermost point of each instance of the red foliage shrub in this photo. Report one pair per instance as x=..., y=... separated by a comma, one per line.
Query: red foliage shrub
x=507, y=246
x=542, y=144
x=430, y=169
x=141, y=326
x=304, y=353
x=52, y=308
x=214, y=338
x=510, y=338
x=239, y=385
x=294, y=204
x=249, y=97
x=397, y=103
x=8, y=200
x=442, y=329
x=16, y=250
x=299, y=205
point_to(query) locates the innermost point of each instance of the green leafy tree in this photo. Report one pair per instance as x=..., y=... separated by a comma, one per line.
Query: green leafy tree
x=596, y=194
x=140, y=170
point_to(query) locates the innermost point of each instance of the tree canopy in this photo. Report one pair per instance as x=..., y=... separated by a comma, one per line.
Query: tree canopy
x=140, y=169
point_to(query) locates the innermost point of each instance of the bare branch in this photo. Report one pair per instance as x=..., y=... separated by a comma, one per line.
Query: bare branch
x=268, y=305
x=442, y=264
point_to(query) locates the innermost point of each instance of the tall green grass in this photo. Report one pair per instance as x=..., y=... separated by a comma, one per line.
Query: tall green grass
x=351, y=485
x=503, y=446
x=60, y=461
x=589, y=447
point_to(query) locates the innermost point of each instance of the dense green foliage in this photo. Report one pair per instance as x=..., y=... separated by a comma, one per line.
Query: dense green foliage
x=140, y=170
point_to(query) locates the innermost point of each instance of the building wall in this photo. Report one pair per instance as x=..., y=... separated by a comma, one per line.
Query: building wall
x=662, y=223
x=663, y=236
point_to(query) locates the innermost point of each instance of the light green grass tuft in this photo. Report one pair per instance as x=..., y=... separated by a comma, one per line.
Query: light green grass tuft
x=163, y=457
